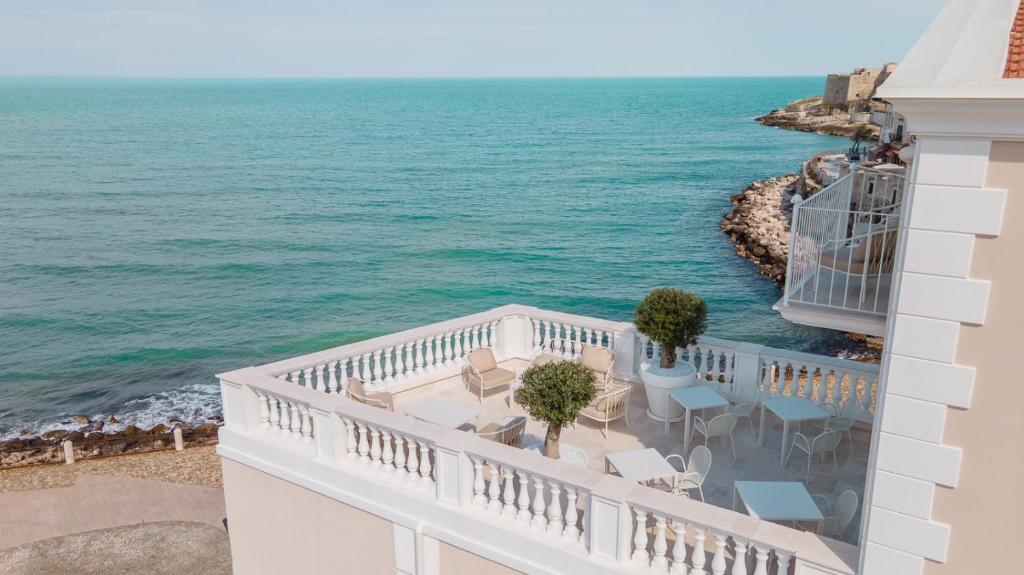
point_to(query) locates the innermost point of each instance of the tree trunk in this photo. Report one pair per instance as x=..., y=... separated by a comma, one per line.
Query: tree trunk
x=551, y=441
x=668, y=357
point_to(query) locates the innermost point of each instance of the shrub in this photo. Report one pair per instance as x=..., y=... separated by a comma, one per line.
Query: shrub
x=555, y=393
x=673, y=318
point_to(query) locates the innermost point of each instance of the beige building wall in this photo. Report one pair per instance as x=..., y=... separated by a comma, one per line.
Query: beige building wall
x=984, y=509
x=277, y=527
x=456, y=561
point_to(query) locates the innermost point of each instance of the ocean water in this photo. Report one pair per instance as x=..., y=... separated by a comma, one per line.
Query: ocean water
x=155, y=232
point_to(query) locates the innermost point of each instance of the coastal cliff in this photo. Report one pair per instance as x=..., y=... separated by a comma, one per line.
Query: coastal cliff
x=810, y=115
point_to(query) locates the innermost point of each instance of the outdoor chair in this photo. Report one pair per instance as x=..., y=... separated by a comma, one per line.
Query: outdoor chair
x=845, y=419
x=609, y=406
x=356, y=389
x=693, y=474
x=509, y=433
x=824, y=506
x=482, y=371
x=824, y=443
x=835, y=523
x=743, y=404
x=718, y=426
x=600, y=360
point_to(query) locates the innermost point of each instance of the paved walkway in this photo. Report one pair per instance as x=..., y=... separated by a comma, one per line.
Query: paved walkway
x=101, y=502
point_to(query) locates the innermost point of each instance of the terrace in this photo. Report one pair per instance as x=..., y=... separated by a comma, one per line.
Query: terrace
x=294, y=412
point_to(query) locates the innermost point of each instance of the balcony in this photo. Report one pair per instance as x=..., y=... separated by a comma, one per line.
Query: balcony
x=291, y=419
x=843, y=243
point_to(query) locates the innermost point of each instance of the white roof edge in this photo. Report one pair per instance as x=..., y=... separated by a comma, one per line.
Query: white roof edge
x=962, y=54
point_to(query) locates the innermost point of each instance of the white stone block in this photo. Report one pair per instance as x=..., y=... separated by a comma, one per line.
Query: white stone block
x=405, y=550
x=916, y=536
x=882, y=560
x=903, y=494
x=919, y=459
x=925, y=338
x=976, y=211
x=914, y=418
x=930, y=381
x=940, y=297
x=950, y=162
x=938, y=253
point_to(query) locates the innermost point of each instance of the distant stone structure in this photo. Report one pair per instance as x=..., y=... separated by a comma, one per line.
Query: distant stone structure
x=845, y=90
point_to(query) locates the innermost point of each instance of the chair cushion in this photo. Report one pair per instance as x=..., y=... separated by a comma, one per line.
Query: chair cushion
x=598, y=359
x=491, y=427
x=545, y=358
x=592, y=412
x=482, y=359
x=355, y=386
x=496, y=377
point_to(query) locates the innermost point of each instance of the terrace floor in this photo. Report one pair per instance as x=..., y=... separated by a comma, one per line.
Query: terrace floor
x=757, y=463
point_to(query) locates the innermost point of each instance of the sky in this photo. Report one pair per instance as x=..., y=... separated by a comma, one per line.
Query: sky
x=454, y=38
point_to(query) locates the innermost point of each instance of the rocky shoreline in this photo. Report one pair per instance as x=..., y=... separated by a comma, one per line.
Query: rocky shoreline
x=808, y=115
x=91, y=441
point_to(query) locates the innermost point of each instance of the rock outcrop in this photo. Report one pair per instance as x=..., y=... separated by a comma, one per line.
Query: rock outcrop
x=759, y=224
x=809, y=115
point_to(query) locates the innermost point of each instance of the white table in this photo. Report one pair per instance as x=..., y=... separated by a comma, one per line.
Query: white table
x=639, y=465
x=789, y=410
x=441, y=412
x=693, y=398
x=775, y=501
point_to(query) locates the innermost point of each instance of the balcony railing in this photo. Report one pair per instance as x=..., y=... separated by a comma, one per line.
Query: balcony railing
x=843, y=243
x=291, y=419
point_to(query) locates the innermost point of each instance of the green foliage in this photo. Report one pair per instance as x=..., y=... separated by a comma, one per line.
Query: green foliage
x=672, y=317
x=556, y=392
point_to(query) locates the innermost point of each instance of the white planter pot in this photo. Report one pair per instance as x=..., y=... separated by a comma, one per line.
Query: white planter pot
x=658, y=382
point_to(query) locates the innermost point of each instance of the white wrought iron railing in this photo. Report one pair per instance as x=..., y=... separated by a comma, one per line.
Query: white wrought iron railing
x=843, y=243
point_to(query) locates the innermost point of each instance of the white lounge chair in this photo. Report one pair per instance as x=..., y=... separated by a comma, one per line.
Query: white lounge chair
x=482, y=371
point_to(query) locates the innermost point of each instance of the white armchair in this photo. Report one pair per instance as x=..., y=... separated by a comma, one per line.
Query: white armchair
x=609, y=406
x=482, y=371
x=693, y=473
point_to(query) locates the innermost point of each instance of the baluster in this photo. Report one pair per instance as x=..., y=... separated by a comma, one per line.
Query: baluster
x=412, y=464
x=387, y=456
x=536, y=334
x=739, y=557
x=492, y=335
x=307, y=424
x=388, y=367
x=458, y=345
x=343, y=375
x=364, y=443
x=351, y=443
x=264, y=410
x=783, y=562
x=572, y=531
x=577, y=347
x=296, y=420
x=718, y=560
x=449, y=351
x=555, y=509
x=286, y=417
x=761, y=560
x=438, y=351
x=478, y=483
x=332, y=377
x=585, y=336
x=659, y=562
x=472, y=337
x=275, y=414
x=508, y=492
x=405, y=364
x=417, y=361
x=469, y=343
x=716, y=363
x=320, y=383
x=697, y=557
x=730, y=358
x=430, y=353
x=400, y=471
x=425, y=478
x=565, y=333
x=523, y=503
x=640, y=556
x=364, y=368
x=375, y=448
x=377, y=369
x=550, y=343
x=606, y=335
x=493, y=489
x=297, y=377
x=539, y=520
x=679, y=548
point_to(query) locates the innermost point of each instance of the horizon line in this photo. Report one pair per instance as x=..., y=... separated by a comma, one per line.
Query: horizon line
x=539, y=77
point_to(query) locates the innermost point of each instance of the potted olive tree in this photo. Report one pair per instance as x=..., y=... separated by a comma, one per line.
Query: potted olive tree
x=555, y=393
x=672, y=319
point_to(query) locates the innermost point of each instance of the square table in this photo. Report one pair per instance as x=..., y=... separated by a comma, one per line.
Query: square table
x=775, y=501
x=790, y=410
x=639, y=465
x=441, y=412
x=693, y=398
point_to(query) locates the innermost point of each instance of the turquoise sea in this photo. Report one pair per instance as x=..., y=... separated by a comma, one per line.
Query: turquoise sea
x=155, y=232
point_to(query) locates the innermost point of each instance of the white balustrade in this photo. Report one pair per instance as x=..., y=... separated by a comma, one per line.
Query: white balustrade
x=284, y=415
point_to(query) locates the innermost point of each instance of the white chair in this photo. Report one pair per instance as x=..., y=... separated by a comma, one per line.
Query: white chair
x=835, y=524
x=482, y=371
x=609, y=406
x=601, y=360
x=718, y=426
x=826, y=442
x=824, y=506
x=743, y=404
x=694, y=472
x=845, y=419
x=509, y=433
